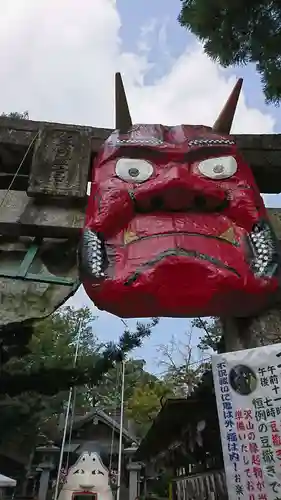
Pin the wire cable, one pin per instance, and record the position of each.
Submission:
(18, 169)
(113, 427)
(67, 415)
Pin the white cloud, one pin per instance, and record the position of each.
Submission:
(146, 30)
(58, 60)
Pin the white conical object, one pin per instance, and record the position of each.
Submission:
(87, 476)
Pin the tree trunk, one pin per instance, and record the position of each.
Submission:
(28, 471)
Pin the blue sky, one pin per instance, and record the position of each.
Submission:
(66, 57)
(134, 15)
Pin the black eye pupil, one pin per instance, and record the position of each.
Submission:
(134, 172)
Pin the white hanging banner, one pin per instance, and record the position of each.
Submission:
(248, 393)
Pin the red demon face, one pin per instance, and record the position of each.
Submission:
(175, 225)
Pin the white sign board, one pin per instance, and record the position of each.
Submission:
(248, 393)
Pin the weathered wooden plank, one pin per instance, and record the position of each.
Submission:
(8, 126)
(21, 215)
(262, 152)
(60, 165)
(22, 131)
(61, 155)
(261, 160)
(258, 141)
(16, 137)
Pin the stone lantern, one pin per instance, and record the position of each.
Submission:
(47, 462)
(134, 469)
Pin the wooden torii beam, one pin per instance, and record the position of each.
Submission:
(47, 198)
(55, 140)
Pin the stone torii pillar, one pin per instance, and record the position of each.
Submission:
(264, 329)
(246, 333)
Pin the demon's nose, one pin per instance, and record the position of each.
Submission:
(174, 198)
(180, 190)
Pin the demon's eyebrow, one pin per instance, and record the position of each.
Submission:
(194, 154)
(203, 152)
(140, 152)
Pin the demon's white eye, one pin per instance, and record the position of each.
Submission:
(133, 170)
(218, 168)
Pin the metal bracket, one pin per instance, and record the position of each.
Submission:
(23, 274)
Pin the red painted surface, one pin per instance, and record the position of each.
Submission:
(177, 244)
(85, 493)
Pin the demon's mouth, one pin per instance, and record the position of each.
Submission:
(263, 257)
(179, 252)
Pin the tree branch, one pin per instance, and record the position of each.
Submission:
(53, 380)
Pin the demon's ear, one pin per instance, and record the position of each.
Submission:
(123, 120)
(224, 121)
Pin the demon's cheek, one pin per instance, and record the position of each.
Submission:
(110, 211)
(243, 209)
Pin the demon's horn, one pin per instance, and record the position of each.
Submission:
(123, 120)
(224, 121)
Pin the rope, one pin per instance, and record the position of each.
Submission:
(113, 427)
(71, 427)
(67, 414)
(121, 433)
(118, 378)
(18, 169)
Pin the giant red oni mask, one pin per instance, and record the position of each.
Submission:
(175, 224)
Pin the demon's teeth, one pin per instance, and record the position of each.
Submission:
(210, 142)
(140, 141)
(263, 247)
(93, 247)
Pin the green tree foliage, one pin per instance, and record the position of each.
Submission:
(212, 340)
(51, 347)
(145, 402)
(108, 395)
(14, 339)
(35, 387)
(240, 32)
(212, 334)
(16, 116)
(53, 374)
(185, 369)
